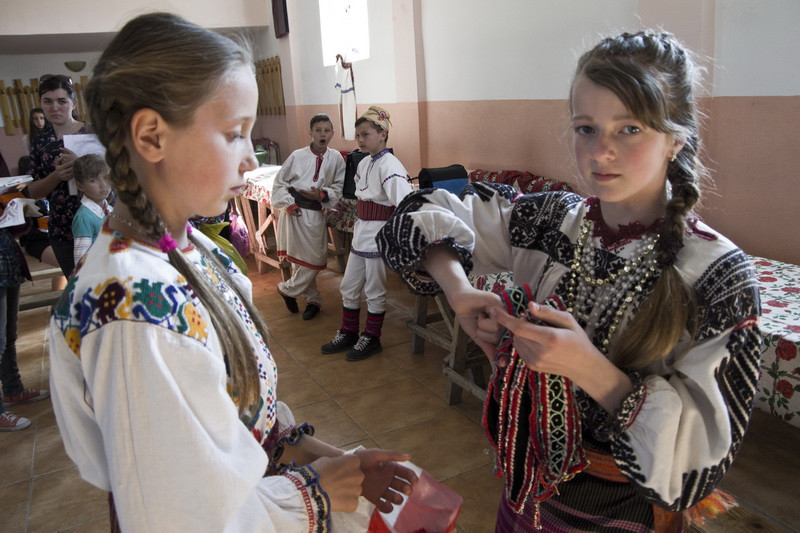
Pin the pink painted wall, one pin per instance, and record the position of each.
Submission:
(753, 150)
(750, 142)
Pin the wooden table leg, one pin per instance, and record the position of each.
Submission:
(338, 248)
(260, 237)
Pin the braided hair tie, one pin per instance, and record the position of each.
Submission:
(167, 243)
(532, 420)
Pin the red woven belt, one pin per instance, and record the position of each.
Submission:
(369, 210)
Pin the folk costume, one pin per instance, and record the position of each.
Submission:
(302, 240)
(142, 398)
(381, 183)
(674, 437)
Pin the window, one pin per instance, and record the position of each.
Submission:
(344, 27)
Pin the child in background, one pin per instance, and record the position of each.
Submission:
(91, 179)
(36, 124)
(310, 179)
(657, 319)
(381, 183)
(13, 272)
(163, 384)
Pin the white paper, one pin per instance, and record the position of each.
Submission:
(16, 210)
(13, 182)
(82, 144)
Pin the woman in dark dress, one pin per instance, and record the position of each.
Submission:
(51, 163)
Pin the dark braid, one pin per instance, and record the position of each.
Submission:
(152, 64)
(685, 194)
(655, 78)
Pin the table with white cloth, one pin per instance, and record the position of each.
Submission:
(262, 225)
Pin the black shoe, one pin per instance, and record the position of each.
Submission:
(366, 346)
(291, 303)
(342, 341)
(311, 311)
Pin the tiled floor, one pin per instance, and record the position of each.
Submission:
(393, 400)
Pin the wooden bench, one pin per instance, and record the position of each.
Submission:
(42, 299)
(463, 355)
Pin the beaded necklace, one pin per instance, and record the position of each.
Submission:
(624, 286)
(131, 224)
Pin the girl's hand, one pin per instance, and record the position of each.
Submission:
(472, 307)
(559, 346)
(385, 481)
(341, 478)
(294, 211)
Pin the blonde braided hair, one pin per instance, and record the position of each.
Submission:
(152, 63)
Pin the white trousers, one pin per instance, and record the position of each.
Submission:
(302, 283)
(368, 275)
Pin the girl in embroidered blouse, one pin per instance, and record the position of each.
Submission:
(51, 164)
(164, 385)
(658, 332)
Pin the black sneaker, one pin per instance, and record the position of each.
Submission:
(342, 341)
(366, 346)
(311, 311)
(291, 303)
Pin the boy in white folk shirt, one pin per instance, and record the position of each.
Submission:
(381, 183)
(310, 179)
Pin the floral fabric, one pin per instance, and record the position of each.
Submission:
(45, 148)
(779, 385)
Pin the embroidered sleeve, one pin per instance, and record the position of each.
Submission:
(605, 426)
(333, 190)
(280, 197)
(278, 440)
(690, 423)
(394, 179)
(318, 505)
(475, 227)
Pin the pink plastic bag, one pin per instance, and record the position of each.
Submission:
(432, 508)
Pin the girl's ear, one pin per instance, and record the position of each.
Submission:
(677, 146)
(148, 130)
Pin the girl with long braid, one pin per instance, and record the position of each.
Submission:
(627, 360)
(164, 387)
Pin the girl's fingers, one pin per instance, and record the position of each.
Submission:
(552, 317)
(509, 322)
